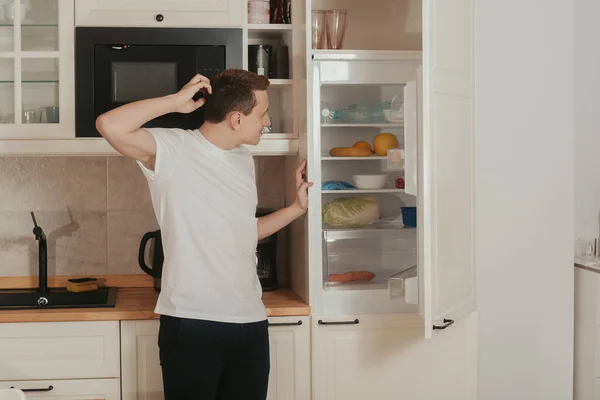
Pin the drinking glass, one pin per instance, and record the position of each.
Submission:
(318, 29)
(336, 28)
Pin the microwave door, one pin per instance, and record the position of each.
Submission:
(125, 74)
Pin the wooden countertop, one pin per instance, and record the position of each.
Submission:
(136, 303)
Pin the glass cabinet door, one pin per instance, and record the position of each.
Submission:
(36, 69)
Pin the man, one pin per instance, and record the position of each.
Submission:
(213, 335)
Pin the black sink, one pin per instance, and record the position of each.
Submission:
(11, 299)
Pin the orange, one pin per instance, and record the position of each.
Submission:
(383, 142)
(363, 145)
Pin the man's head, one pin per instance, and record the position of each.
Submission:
(239, 99)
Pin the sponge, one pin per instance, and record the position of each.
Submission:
(82, 285)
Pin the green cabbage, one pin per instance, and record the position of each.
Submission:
(351, 212)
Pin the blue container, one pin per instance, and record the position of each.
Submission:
(409, 216)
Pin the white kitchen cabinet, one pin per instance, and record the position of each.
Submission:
(141, 373)
(59, 350)
(78, 389)
(36, 70)
(385, 357)
(289, 340)
(587, 335)
(290, 359)
(155, 13)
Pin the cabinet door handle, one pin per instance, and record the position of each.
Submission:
(49, 388)
(321, 322)
(299, 322)
(447, 323)
(159, 17)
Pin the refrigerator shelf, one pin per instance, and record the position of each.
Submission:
(372, 232)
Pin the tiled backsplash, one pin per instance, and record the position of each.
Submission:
(94, 211)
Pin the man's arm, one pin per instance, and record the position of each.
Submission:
(269, 224)
(121, 127)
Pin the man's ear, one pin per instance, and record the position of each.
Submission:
(235, 120)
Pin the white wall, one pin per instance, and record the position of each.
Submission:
(525, 179)
(587, 118)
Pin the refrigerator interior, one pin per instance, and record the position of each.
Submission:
(363, 267)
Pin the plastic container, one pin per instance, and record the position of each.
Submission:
(395, 114)
(369, 181)
(409, 216)
(368, 256)
(258, 12)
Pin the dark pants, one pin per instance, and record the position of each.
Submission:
(206, 360)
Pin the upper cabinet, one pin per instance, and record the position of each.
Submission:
(39, 80)
(147, 13)
(36, 69)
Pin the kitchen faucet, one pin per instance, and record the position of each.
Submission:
(40, 236)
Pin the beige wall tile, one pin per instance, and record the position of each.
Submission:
(76, 242)
(127, 187)
(95, 241)
(125, 231)
(52, 183)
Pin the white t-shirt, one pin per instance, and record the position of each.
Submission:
(205, 202)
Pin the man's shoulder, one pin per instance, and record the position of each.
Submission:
(167, 131)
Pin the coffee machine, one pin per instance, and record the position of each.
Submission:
(266, 258)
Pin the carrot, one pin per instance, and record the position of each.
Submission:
(352, 276)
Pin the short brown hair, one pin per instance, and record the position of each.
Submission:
(233, 90)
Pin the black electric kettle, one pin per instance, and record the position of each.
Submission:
(157, 257)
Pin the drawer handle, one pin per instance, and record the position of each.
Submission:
(49, 388)
(447, 323)
(285, 323)
(160, 17)
(339, 322)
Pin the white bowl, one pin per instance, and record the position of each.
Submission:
(369, 181)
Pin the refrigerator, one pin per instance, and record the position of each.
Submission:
(366, 108)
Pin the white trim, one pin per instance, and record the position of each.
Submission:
(91, 147)
(373, 55)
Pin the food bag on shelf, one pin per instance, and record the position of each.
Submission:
(351, 212)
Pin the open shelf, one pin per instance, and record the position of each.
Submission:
(384, 125)
(270, 136)
(378, 25)
(268, 27)
(382, 55)
(280, 82)
(268, 31)
(358, 191)
(366, 158)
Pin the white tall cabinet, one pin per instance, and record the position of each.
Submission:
(390, 338)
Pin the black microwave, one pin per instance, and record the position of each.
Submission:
(116, 66)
